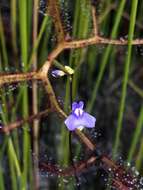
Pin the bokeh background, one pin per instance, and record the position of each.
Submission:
(107, 78)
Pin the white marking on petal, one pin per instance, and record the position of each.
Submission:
(78, 112)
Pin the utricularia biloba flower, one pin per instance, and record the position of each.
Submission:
(78, 119)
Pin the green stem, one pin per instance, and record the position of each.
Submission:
(126, 76)
(106, 56)
(136, 136)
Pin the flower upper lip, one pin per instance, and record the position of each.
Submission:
(77, 108)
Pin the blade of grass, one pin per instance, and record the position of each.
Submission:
(136, 88)
(139, 158)
(13, 17)
(1, 178)
(5, 61)
(3, 45)
(46, 23)
(136, 136)
(84, 22)
(12, 174)
(45, 43)
(106, 56)
(126, 76)
(24, 24)
(23, 32)
(12, 156)
(105, 18)
(35, 98)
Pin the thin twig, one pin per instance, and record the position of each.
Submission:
(22, 77)
(35, 99)
(8, 128)
(95, 26)
(54, 11)
(80, 167)
(13, 78)
(99, 40)
(118, 173)
(117, 184)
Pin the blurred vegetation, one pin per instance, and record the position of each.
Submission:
(107, 78)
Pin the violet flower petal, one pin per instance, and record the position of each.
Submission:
(88, 120)
(76, 105)
(72, 122)
(81, 104)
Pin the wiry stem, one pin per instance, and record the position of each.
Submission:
(35, 98)
(80, 167)
(99, 40)
(54, 11)
(13, 78)
(95, 27)
(22, 77)
(8, 128)
(121, 179)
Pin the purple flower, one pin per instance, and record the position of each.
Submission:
(57, 73)
(79, 119)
